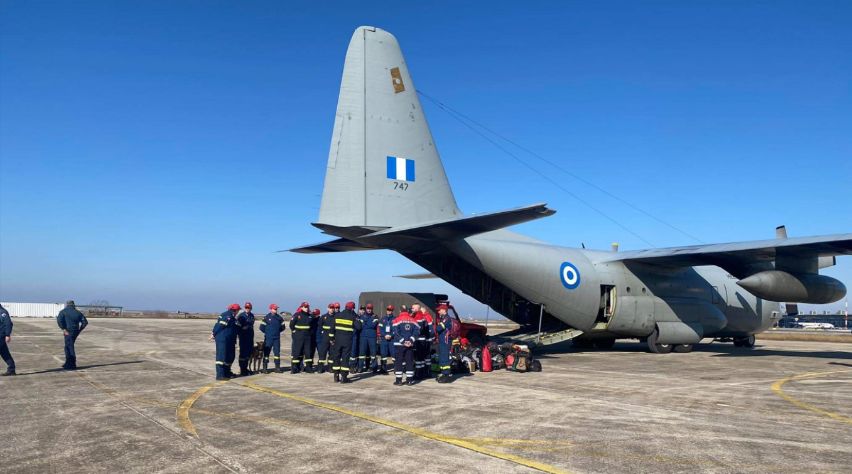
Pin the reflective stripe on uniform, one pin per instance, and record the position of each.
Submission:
(444, 367)
(326, 327)
(219, 362)
(224, 323)
(302, 326)
(344, 322)
(345, 369)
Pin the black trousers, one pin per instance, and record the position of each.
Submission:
(246, 345)
(301, 348)
(404, 355)
(341, 352)
(6, 355)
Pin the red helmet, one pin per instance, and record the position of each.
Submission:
(350, 305)
(331, 305)
(390, 307)
(316, 312)
(273, 307)
(247, 305)
(336, 305)
(305, 304)
(234, 307)
(444, 307)
(369, 305)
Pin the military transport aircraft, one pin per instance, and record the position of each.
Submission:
(385, 188)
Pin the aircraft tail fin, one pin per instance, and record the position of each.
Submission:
(383, 168)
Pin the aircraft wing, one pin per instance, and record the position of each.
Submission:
(744, 258)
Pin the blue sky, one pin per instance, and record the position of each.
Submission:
(156, 154)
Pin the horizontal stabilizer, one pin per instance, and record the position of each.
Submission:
(337, 245)
(417, 276)
(455, 229)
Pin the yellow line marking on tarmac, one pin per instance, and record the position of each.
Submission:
(460, 442)
(182, 411)
(776, 387)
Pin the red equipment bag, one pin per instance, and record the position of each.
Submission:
(454, 329)
(486, 359)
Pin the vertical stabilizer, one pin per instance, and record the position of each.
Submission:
(383, 168)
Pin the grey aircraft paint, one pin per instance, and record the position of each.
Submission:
(385, 188)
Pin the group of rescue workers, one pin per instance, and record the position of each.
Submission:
(343, 340)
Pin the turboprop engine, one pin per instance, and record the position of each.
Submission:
(777, 285)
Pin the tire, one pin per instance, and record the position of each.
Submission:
(749, 341)
(683, 348)
(655, 347)
(604, 344)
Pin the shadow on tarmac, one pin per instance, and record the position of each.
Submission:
(81, 367)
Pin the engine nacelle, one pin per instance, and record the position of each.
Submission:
(777, 285)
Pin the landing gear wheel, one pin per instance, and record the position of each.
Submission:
(683, 348)
(747, 342)
(604, 344)
(655, 347)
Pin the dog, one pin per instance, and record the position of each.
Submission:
(256, 358)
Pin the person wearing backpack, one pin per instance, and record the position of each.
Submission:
(447, 331)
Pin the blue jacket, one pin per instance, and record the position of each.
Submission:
(369, 323)
(69, 319)
(272, 326)
(443, 329)
(245, 322)
(386, 326)
(324, 326)
(5, 323)
(405, 328)
(225, 326)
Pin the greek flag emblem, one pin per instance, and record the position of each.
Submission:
(400, 169)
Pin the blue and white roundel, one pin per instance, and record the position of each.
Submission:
(570, 275)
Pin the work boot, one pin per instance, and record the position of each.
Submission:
(443, 378)
(8, 373)
(309, 369)
(280, 370)
(321, 368)
(384, 369)
(337, 376)
(344, 378)
(294, 369)
(412, 382)
(398, 381)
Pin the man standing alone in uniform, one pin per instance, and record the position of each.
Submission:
(72, 323)
(272, 326)
(5, 339)
(245, 329)
(222, 332)
(342, 327)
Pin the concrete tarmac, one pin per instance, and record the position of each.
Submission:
(145, 401)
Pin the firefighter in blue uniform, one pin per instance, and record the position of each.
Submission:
(231, 347)
(356, 338)
(245, 331)
(405, 332)
(5, 339)
(367, 349)
(300, 327)
(324, 339)
(272, 325)
(344, 324)
(444, 344)
(222, 332)
(72, 323)
(386, 338)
